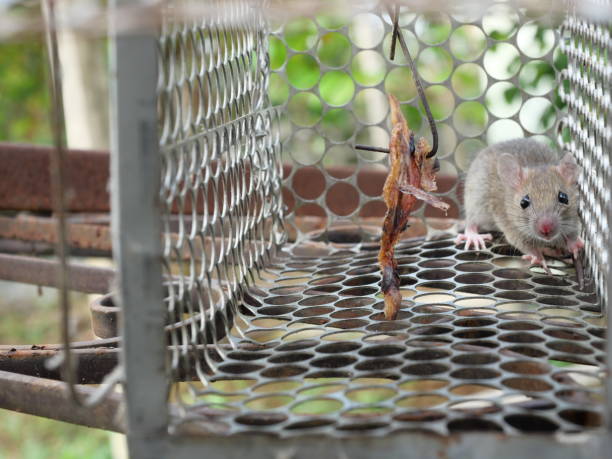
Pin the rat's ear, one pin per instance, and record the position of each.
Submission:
(510, 171)
(568, 169)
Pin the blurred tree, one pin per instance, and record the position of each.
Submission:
(24, 98)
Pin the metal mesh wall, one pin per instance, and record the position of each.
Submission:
(220, 189)
(588, 79)
(489, 76)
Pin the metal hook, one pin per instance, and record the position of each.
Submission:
(399, 36)
(395, 32)
(395, 37)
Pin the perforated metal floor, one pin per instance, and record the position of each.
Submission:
(483, 342)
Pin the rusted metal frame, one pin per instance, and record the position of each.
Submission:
(92, 365)
(50, 399)
(25, 184)
(96, 343)
(25, 247)
(84, 236)
(37, 271)
(43, 229)
(91, 231)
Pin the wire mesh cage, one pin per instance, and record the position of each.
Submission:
(246, 229)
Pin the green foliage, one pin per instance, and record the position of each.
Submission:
(24, 98)
(335, 87)
(29, 437)
(511, 93)
(32, 318)
(278, 53)
(300, 34)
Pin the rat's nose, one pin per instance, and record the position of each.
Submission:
(546, 226)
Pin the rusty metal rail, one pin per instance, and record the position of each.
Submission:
(48, 398)
(42, 229)
(92, 364)
(94, 360)
(25, 182)
(37, 271)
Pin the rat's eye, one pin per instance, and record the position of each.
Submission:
(563, 199)
(526, 201)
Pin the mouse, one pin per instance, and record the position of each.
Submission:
(522, 188)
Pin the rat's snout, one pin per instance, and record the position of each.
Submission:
(547, 227)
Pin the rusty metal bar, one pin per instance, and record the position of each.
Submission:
(25, 247)
(92, 364)
(50, 399)
(37, 271)
(87, 236)
(110, 342)
(25, 185)
(42, 229)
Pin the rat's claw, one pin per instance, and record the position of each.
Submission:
(537, 259)
(472, 238)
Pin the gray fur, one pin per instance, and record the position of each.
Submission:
(493, 205)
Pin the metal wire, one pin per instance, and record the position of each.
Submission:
(481, 344)
(585, 131)
(397, 35)
(57, 172)
(466, 46)
(58, 190)
(220, 173)
(296, 340)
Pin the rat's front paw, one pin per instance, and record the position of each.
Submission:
(473, 239)
(574, 246)
(536, 258)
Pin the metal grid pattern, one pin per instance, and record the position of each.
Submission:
(482, 344)
(488, 76)
(219, 167)
(588, 77)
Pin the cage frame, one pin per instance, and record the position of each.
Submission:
(136, 217)
(136, 229)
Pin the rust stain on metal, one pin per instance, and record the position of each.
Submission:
(25, 182)
(37, 271)
(48, 398)
(42, 229)
(93, 364)
(97, 343)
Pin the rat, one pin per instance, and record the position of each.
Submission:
(521, 188)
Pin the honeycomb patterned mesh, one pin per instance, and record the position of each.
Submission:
(274, 323)
(489, 77)
(220, 193)
(586, 131)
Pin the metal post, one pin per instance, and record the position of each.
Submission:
(608, 311)
(135, 180)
